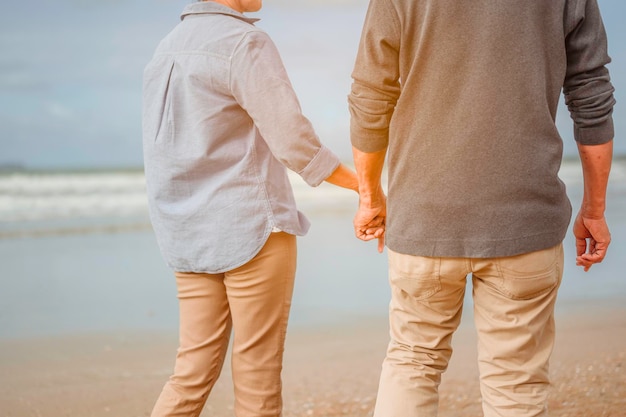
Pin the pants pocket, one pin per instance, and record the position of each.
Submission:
(530, 275)
(417, 276)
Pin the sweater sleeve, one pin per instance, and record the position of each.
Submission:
(376, 86)
(587, 87)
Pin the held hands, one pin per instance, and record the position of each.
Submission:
(592, 240)
(369, 221)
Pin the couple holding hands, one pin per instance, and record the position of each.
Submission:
(459, 100)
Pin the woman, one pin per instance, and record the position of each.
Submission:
(220, 123)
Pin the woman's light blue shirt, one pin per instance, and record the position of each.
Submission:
(220, 124)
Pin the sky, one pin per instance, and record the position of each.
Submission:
(70, 74)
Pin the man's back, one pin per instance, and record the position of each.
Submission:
(463, 97)
(468, 92)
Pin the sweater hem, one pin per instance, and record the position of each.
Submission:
(472, 248)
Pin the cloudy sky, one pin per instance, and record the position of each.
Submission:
(70, 73)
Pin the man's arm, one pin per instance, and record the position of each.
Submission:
(590, 227)
(589, 96)
(369, 221)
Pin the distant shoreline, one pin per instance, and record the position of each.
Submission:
(14, 168)
(19, 169)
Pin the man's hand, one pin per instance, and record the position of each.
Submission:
(369, 221)
(590, 228)
(592, 240)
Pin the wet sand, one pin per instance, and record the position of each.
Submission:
(328, 371)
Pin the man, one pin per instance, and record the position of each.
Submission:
(461, 97)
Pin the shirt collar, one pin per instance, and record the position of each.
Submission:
(211, 7)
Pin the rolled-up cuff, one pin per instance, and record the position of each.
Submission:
(367, 140)
(595, 135)
(324, 163)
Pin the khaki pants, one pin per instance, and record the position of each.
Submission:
(254, 301)
(513, 310)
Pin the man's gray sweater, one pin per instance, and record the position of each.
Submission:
(464, 94)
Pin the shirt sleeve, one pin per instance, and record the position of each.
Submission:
(376, 86)
(587, 87)
(260, 84)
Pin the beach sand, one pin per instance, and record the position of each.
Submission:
(60, 358)
(328, 371)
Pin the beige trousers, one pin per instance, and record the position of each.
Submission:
(514, 301)
(252, 300)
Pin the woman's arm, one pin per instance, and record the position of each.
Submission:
(344, 177)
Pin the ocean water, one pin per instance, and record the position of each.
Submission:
(77, 255)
